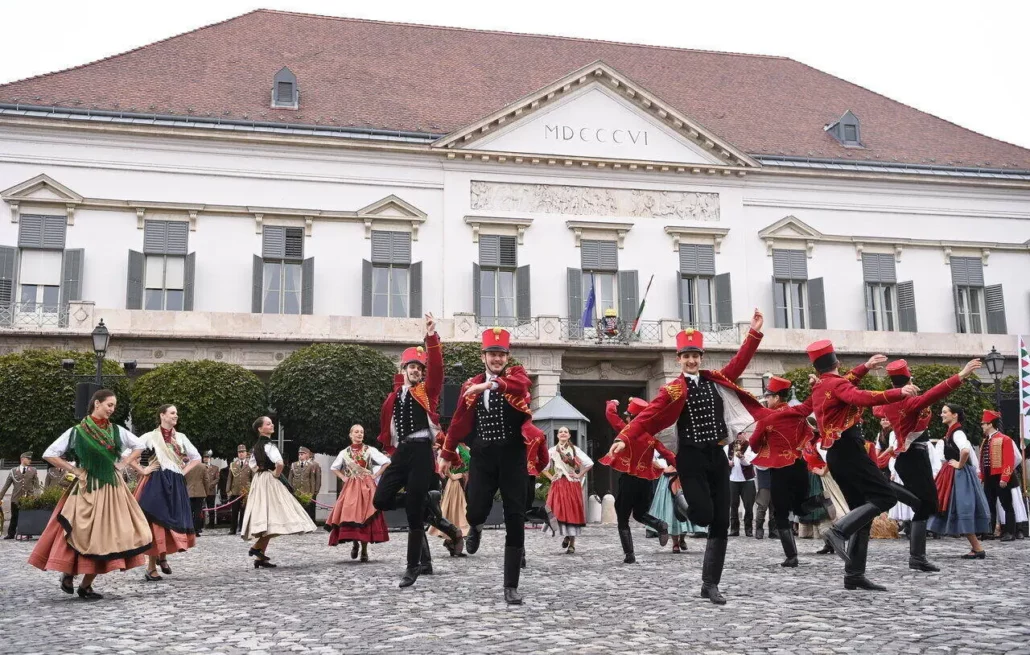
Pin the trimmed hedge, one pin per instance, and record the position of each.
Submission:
(217, 402)
(470, 357)
(37, 397)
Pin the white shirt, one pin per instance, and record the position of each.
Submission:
(490, 377)
(130, 442)
(660, 461)
(737, 472)
(377, 458)
(695, 377)
(273, 455)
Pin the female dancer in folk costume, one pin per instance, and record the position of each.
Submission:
(454, 505)
(353, 517)
(272, 511)
(566, 470)
(967, 512)
(162, 491)
(663, 507)
(97, 527)
(637, 465)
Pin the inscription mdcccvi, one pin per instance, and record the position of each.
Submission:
(617, 136)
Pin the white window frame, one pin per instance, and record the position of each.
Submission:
(882, 302)
(692, 305)
(968, 318)
(790, 323)
(599, 304)
(494, 318)
(284, 265)
(149, 259)
(390, 296)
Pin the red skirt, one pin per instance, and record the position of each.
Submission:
(165, 540)
(354, 518)
(566, 502)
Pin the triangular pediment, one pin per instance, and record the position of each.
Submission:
(392, 207)
(41, 188)
(789, 227)
(598, 113)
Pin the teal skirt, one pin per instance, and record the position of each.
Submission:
(661, 509)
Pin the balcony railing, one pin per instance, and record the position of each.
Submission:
(32, 316)
(611, 331)
(521, 329)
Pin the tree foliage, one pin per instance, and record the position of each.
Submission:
(319, 391)
(464, 360)
(37, 396)
(217, 402)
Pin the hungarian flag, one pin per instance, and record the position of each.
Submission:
(643, 303)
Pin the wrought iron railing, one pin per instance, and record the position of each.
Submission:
(717, 333)
(520, 329)
(611, 331)
(32, 315)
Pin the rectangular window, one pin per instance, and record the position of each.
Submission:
(282, 287)
(390, 291)
(881, 307)
(790, 297)
(498, 262)
(970, 308)
(850, 133)
(164, 283)
(697, 293)
(40, 280)
(605, 296)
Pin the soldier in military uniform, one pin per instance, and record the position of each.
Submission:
(306, 477)
(54, 476)
(236, 485)
(210, 485)
(26, 484)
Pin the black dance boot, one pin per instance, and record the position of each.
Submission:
(854, 570)
(435, 518)
(735, 527)
(790, 549)
(711, 572)
(472, 541)
(679, 506)
(747, 529)
(512, 570)
(659, 526)
(827, 549)
(848, 525)
(626, 538)
(414, 558)
(917, 548)
(425, 562)
(1009, 529)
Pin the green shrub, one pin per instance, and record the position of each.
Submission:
(46, 500)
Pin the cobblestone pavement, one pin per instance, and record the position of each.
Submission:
(319, 600)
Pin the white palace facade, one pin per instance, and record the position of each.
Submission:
(211, 196)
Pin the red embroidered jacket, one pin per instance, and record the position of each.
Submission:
(911, 416)
(425, 393)
(781, 434)
(838, 403)
(637, 458)
(537, 457)
(512, 385)
(998, 456)
(664, 410)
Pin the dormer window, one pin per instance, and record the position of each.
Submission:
(846, 130)
(285, 94)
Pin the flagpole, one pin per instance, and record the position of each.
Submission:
(640, 310)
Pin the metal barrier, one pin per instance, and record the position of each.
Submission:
(32, 315)
(611, 331)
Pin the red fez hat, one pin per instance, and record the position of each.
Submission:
(690, 340)
(636, 405)
(416, 355)
(990, 415)
(777, 385)
(899, 367)
(497, 339)
(819, 349)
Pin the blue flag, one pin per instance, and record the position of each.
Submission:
(588, 313)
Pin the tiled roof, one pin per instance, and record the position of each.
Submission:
(380, 75)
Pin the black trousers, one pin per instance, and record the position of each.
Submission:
(789, 491)
(913, 467)
(310, 508)
(236, 512)
(197, 508)
(705, 476)
(499, 466)
(742, 491)
(994, 492)
(210, 503)
(857, 476)
(13, 526)
(632, 497)
(412, 469)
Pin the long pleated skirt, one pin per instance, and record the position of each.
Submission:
(968, 511)
(353, 517)
(566, 502)
(453, 506)
(163, 498)
(93, 532)
(272, 510)
(661, 509)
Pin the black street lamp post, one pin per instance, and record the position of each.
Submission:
(995, 363)
(101, 339)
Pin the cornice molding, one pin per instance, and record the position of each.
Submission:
(477, 221)
(715, 235)
(619, 229)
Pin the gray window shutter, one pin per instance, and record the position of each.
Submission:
(293, 244)
(706, 260)
(366, 287)
(816, 304)
(402, 251)
(907, 307)
(257, 294)
(71, 275)
(307, 286)
(870, 310)
(723, 301)
(629, 291)
(967, 271)
(8, 264)
(778, 301)
(188, 280)
(177, 241)
(680, 284)
(995, 301)
(415, 297)
(155, 237)
(477, 284)
(134, 281)
(609, 255)
(590, 254)
(273, 242)
(55, 231)
(955, 296)
(509, 252)
(574, 278)
(382, 248)
(30, 232)
(790, 264)
(879, 267)
(688, 259)
(489, 250)
(523, 308)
